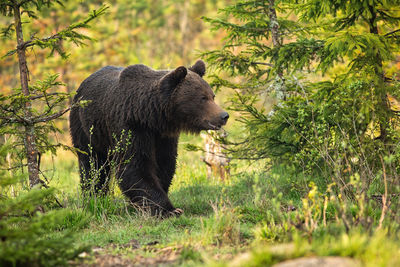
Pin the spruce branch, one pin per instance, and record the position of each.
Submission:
(47, 95)
(50, 117)
(389, 34)
(7, 31)
(69, 34)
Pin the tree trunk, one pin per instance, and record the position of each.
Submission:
(30, 138)
(383, 104)
(274, 25)
(276, 42)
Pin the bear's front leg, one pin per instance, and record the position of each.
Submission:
(139, 180)
(144, 190)
(166, 154)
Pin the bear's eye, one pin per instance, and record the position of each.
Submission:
(204, 98)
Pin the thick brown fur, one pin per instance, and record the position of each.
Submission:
(155, 106)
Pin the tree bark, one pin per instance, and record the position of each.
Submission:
(30, 138)
(276, 42)
(274, 25)
(383, 106)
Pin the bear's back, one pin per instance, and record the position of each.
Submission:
(99, 82)
(140, 74)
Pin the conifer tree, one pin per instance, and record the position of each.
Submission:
(28, 112)
(255, 37)
(332, 61)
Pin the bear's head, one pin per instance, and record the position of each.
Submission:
(192, 100)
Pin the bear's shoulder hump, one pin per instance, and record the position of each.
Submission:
(136, 70)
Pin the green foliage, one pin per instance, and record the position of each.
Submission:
(338, 126)
(25, 223)
(28, 112)
(27, 117)
(55, 41)
(7, 6)
(188, 254)
(374, 250)
(223, 227)
(12, 117)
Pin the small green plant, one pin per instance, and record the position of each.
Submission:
(275, 232)
(117, 157)
(223, 227)
(103, 203)
(25, 223)
(189, 254)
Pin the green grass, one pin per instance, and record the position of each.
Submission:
(222, 221)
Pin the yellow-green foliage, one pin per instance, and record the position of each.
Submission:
(25, 224)
(223, 227)
(366, 250)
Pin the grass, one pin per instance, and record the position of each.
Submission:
(255, 218)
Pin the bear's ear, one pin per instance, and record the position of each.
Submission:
(199, 67)
(173, 78)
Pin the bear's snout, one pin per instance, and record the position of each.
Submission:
(224, 117)
(218, 121)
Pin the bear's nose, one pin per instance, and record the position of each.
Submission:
(224, 116)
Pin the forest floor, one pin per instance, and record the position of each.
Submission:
(133, 256)
(254, 218)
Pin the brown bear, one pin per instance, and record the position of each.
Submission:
(154, 107)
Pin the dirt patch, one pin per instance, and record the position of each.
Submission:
(131, 255)
(320, 262)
